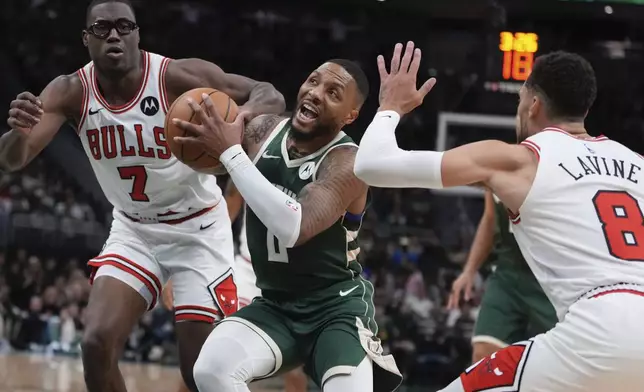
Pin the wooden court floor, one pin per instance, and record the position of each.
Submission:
(37, 373)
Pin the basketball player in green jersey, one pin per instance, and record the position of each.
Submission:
(304, 210)
(514, 307)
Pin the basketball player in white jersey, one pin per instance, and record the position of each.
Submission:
(169, 221)
(294, 380)
(576, 202)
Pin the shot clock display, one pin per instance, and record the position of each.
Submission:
(518, 51)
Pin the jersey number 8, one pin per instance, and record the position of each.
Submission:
(623, 224)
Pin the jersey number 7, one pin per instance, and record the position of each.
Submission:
(623, 224)
(139, 178)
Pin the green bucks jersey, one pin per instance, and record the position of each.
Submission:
(327, 258)
(506, 250)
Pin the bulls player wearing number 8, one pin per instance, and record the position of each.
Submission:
(576, 204)
(168, 219)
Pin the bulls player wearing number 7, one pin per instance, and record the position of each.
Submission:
(576, 204)
(169, 221)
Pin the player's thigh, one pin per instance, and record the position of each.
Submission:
(126, 281)
(530, 366)
(580, 354)
(348, 336)
(127, 258)
(267, 321)
(360, 379)
(337, 351)
(342, 346)
(501, 319)
(200, 264)
(234, 354)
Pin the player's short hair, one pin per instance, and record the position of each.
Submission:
(357, 74)
(94, 3)
(567, 83)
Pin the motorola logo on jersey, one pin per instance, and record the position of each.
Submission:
(149, 106)
(306, 170)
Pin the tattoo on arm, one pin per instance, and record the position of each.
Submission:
(325, 200)
(257, 130)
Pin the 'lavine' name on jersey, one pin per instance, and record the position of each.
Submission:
(592, 164)
(128, 151)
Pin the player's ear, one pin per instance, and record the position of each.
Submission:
(85, 38)
(351, 117)
(536, 106)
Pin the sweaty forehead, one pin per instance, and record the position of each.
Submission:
(336, 73)
(110, 11)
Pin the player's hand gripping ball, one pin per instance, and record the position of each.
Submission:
(193, 154)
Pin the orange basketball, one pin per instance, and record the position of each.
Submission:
(196, 157)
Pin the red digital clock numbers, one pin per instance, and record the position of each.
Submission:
(518, 54)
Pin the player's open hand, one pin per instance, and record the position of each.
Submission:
(214, 134)
(464, 283)
(398, 90)
(25, 112)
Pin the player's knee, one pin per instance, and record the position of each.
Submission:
(211, 373)
(214, 372)
(482, 350)
(97, 341)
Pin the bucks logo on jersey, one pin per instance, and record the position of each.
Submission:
(329, 257)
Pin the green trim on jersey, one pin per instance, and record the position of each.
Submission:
(329, 257)
(506, 252)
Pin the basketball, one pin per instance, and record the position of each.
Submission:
(193, 156)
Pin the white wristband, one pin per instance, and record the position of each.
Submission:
(233, 157)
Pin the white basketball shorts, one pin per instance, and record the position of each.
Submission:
(598, 347)
(194, 249)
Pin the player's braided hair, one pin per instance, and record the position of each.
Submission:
(567, 83)
(94, 3)
(358, 75)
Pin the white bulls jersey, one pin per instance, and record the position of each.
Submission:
(127, 148)
(581, 227)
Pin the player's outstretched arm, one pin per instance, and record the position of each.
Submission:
(380, 162)
(255, 97)
(34, 121)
